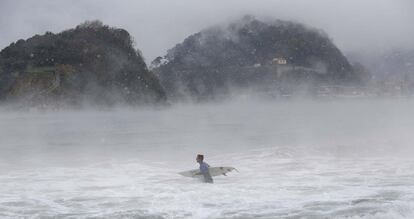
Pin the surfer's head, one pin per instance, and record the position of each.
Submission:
(200, 158)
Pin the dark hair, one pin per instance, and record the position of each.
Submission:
(200, 156)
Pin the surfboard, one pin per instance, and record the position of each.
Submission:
(214, 171)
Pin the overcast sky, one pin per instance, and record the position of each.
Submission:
(157, 25)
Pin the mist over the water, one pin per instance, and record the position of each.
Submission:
(297, 158)
(356, 127)
(331, 155)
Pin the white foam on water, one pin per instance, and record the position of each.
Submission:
(266, 186)
(295, 160)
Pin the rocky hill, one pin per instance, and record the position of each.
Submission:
(92, 64)
(280, 57)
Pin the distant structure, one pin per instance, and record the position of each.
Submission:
(279, 61)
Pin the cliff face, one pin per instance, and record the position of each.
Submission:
(91, 63)
(278, 56)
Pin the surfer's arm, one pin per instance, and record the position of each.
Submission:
(201, 172)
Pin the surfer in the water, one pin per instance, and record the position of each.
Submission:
(204, 169)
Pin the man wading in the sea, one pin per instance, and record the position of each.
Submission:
(204, 169)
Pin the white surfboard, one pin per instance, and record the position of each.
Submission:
(214, 171)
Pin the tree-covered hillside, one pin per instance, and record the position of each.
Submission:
(280, 56)
(91, 63)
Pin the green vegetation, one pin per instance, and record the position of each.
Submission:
(91, 62)
(243, 54)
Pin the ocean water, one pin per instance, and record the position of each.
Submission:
(348, 158)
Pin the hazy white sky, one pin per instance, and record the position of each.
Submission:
(157, 25)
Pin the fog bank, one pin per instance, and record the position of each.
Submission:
(337, 128)
(372, 25)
